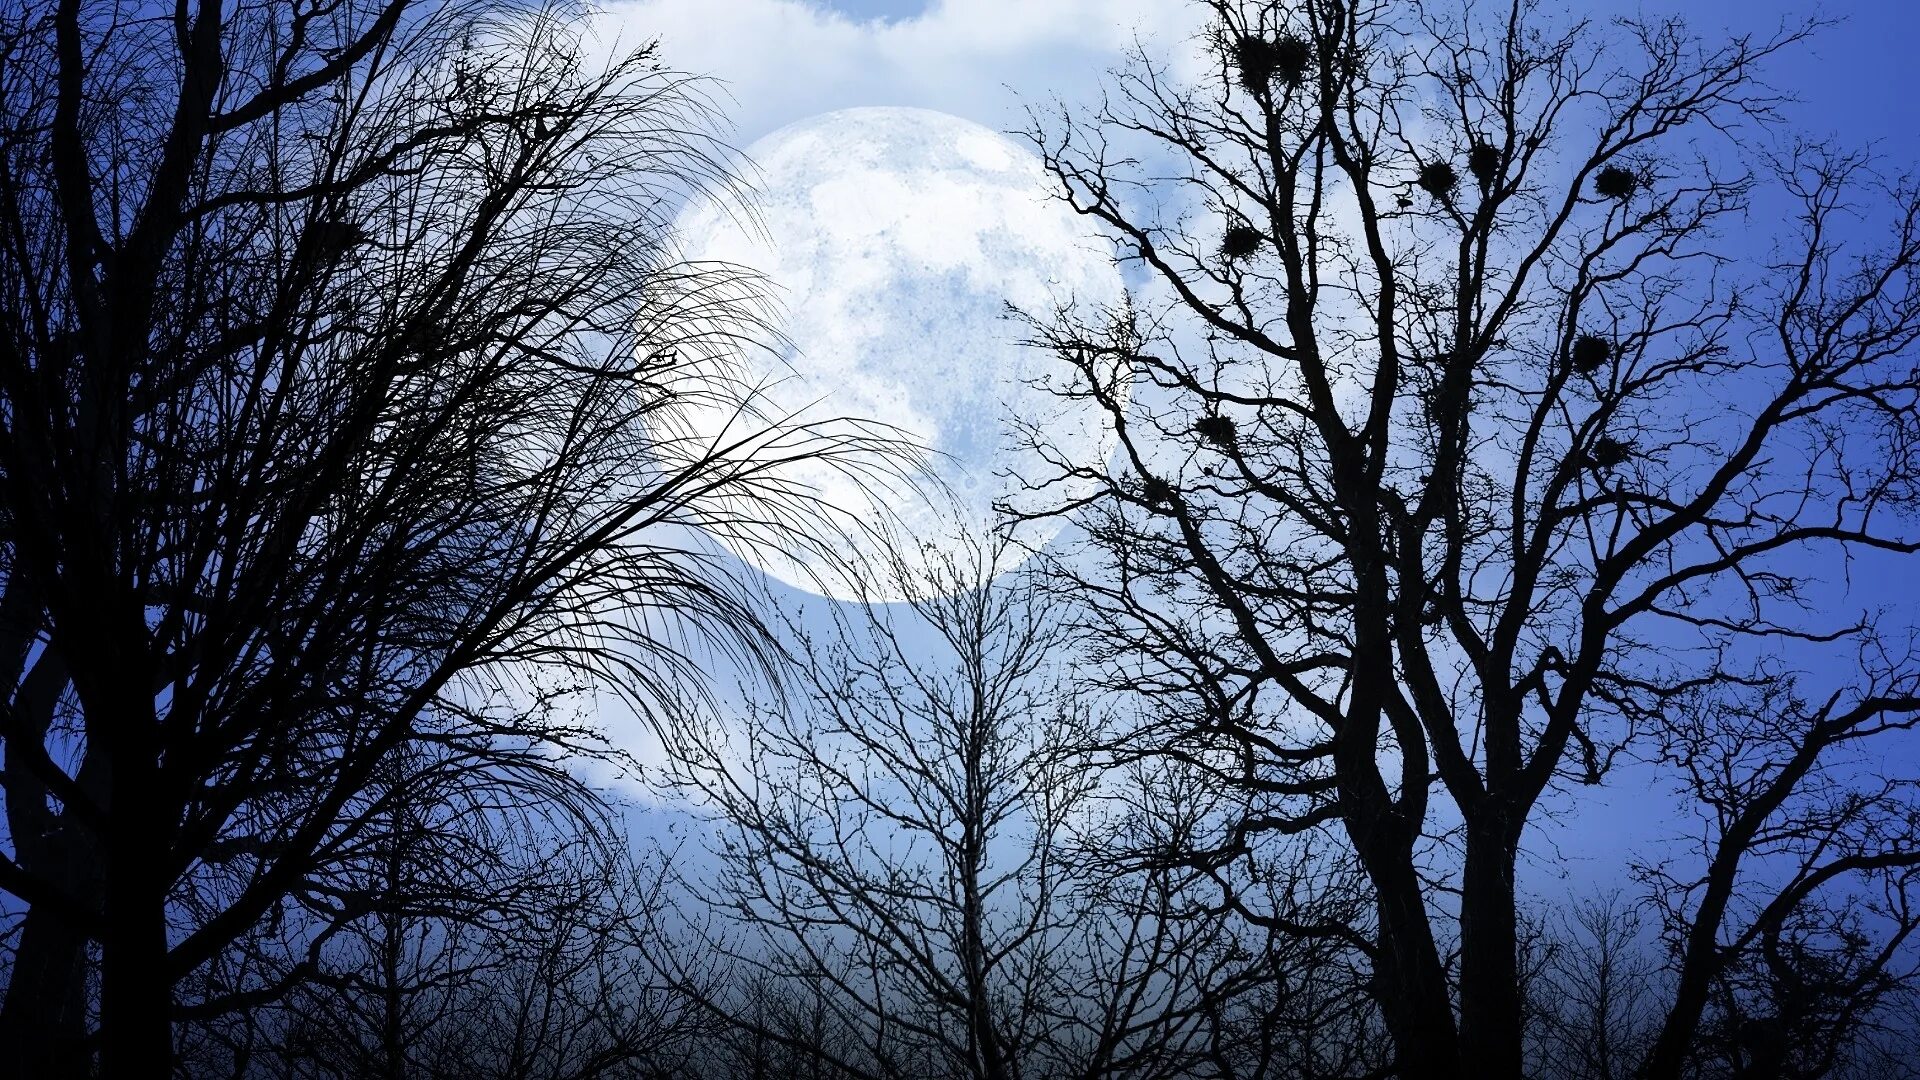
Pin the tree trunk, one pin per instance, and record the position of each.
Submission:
(43, 1024)
(1410, 981)
(136, 987)
(989, 1061)
(1413, 997)
(43, 1021)
(1491, 1021)
(136, 993)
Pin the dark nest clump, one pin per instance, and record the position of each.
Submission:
(1590, 353)
(1483, 161)
(1438, 179)
(1291, 55)
(1241, 242)
(1218, 430)
(1156, 492)
(1609, 453)
(1614, 182)
(1261, 61)
(1253, 55)
(333, 239)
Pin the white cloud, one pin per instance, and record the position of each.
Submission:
(782, 60)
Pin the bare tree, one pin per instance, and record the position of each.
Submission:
(340, 410)
(1205, 966)
(1793, 926)
(915, 847)
(538, 973)
(476, 932)
(1419, 525)
(895, 839)
(1596, 999)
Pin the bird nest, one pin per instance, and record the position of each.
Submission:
(332, 238)
(1483, 161)
(1590, 353)
(1438, 179)
(1218, 430)
(1262, 60)
(1608, 452)
(1156, 492)
(1241, 241)
(1615, 182)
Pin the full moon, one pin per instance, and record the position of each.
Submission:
(895, 238)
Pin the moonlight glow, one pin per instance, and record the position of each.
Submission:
(896, 237)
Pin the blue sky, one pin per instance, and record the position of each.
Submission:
(877, 9)
(1853, 78)
(783, 60)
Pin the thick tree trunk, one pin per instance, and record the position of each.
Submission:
(1410, 980)
(43, 1024)
(136, 986)
(136, 993)
(1413, 993)
(1491, 1006)
(43, 1021)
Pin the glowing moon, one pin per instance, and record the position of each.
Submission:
(896, 237)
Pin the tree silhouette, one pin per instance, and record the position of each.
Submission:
(893, 844)
(916, 860)
(528, 966)
(1410, 559)
(340, 412)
